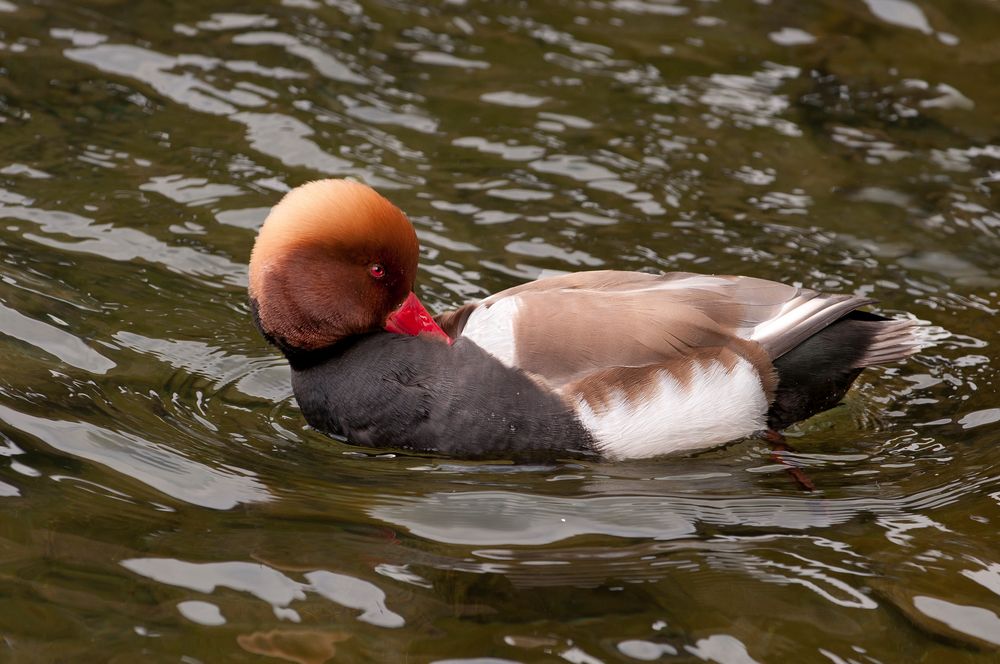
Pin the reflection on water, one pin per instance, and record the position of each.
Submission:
(164, 498)
(268, 585)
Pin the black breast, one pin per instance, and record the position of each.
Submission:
(397, 391)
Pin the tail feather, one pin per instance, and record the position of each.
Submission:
(891, 340)
(815, 375)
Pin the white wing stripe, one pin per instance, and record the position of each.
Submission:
(492, 328)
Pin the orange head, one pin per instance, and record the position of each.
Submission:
(333, 259)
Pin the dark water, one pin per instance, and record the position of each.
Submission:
(162, 499)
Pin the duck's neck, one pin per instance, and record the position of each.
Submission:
(298, 358)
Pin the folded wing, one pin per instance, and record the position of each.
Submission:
(561, 328)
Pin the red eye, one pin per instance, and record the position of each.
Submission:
(376, 270)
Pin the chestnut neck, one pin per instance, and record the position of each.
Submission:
(300, 359)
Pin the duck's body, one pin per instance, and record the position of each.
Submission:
(613, 364)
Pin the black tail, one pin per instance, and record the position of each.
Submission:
(815, 375)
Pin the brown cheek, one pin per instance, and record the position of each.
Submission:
(375, 304)
(362, 302)
(333, 300)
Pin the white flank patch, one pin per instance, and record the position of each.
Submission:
(714, 407)
(492, 328)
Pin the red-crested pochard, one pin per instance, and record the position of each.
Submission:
(620, 365)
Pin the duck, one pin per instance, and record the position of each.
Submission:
(610, 365)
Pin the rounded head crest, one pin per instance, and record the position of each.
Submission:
(332, 260)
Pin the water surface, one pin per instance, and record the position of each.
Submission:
(163, 499)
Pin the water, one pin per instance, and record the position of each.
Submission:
(163, 500)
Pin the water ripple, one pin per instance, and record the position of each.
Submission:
(156, 465)
(145, 427)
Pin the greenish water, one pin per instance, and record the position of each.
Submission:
(162, 500)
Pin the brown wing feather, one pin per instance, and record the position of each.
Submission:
(633, 384)
(453, 322)
(571, 325)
